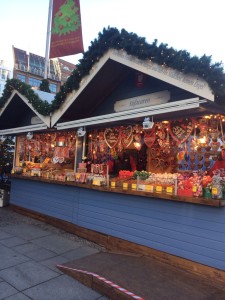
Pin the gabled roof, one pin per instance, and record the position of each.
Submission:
(110, 59)
(18, 115)
(113, 66)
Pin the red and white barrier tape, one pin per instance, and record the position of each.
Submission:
(106, 281)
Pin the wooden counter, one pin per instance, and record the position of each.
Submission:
(193, 200)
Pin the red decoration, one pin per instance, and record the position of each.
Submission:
(139, 79)
(66, 31)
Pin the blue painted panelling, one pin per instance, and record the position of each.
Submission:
(195, 232)
(190, 231)
(150, 219)
(50, 199)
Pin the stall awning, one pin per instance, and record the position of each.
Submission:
(171, 107)
(14, 131)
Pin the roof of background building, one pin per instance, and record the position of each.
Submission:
(45, 96)
(59, 67)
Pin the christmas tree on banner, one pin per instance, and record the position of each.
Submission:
(67, 19)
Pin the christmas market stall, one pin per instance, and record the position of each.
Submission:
(17, 115)
(39, 149)
(133, 156)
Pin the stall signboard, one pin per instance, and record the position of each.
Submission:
(142, 101)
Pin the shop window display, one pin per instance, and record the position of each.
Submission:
(182, 157)
(45, 154)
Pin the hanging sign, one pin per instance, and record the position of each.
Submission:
(181, 129)
(142, 101)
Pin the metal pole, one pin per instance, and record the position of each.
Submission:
(14, 153)
(48, 38)
(84, 144)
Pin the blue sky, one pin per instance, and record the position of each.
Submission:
(195, 25)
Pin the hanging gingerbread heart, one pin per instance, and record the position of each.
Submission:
(126, 136)
(215, 146)
(149, 138)
(155, 162)
(112, 136)
(181, 129)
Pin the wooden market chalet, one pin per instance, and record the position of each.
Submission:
(118, 155)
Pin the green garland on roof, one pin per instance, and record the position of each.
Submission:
(44, 86)
(138, 47)
(134, 45)
(42, 107)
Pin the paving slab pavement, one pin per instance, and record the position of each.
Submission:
(29, 253)
(36, 259)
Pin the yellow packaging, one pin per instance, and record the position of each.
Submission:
(194, 189)
(134, 186)
(113, 184)
(158, 188)
(125, 185)
(149, 188)
(214, 191)
(169, 189)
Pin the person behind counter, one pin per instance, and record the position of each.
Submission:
(122, 163)
(220, 163)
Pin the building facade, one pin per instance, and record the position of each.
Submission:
(29, 68)
(5, 73)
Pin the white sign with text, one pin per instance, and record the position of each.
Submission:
(142, 101)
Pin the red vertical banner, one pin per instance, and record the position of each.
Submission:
(66, 31)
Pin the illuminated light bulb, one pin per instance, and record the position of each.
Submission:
(137, 145)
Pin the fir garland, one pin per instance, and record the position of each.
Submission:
(44, 86)
(42, 107)
(213, 73)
